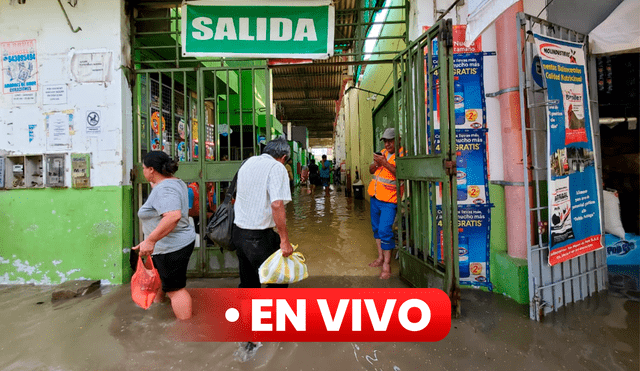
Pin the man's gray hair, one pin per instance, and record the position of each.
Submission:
(277, 148)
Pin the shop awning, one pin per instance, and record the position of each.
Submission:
(620, 32)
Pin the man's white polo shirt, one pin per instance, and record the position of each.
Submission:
(261, 181)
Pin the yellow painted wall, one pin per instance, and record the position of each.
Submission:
(359, 106)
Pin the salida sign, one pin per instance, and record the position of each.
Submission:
(297, 29)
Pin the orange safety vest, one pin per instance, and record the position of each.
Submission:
(383, 184)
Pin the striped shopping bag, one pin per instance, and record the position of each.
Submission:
(278, 269)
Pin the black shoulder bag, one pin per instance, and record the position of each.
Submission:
(220, 226)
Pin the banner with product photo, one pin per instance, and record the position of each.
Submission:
(469, 99)
(474, 207)
(471, 166)
(574, 197)
(474, 230)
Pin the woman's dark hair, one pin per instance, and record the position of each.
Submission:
(160, 162)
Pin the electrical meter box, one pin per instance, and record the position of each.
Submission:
(14, 173)
(80, 170)
(33, 171)
(55, 170)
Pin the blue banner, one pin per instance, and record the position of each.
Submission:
(574, 190)
(468, 88)
(474, 208)
(474, 228)
(471, 166)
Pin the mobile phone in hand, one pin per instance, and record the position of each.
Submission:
(378, 153)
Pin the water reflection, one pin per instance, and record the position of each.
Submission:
(332, 231)
(108, 332)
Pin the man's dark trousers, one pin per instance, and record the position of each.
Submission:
(253, 247)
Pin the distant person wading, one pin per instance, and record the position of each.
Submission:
(314, 175)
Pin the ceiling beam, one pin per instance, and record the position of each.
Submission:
(321, 136)
(330, 108)
(314, 119)
(351, 63)
(297, 75)
(319, 130)
(310, 89)
(324, 104)
(323, 99)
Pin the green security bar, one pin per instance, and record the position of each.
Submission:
(424, 168)
(259, 29)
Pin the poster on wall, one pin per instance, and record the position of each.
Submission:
(19, 66)
(469, 99)
(474, 229)
(91, 66)
(574, 197)
(59, 128)
(471, 166)
(468, 89)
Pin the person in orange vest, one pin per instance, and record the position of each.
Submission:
(384, 200)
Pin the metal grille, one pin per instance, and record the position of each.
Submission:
(550, 287)
(423, 168)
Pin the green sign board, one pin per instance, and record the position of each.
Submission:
(261, 29)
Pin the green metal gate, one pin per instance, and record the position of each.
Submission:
(209, 127)
(210, 114)
(428, 166)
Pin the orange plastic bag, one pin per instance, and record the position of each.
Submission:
(145, 283)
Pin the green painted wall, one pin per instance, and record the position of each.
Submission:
(509, 276)
(48, 236)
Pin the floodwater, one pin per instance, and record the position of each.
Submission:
(106, 331)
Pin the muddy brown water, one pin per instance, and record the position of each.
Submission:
(106, 331)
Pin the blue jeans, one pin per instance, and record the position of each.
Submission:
(382, 216)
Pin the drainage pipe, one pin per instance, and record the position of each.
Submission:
(508, 78)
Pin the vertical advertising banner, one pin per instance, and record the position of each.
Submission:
(574, 197)
(468, 89)
(474, 207)
(474, 229)
(470, 107)
(19, 67)
(471, 166)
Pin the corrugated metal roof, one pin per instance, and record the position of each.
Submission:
(306, 95)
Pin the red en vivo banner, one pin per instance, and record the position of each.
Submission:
(318, 315)
(574, 189)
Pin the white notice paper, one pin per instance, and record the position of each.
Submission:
(59, 126)
(91, 67)
(24, 98)
(55, 94)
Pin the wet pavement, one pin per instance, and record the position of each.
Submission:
(106, 331)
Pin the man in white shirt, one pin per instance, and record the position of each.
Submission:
(262, 192)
